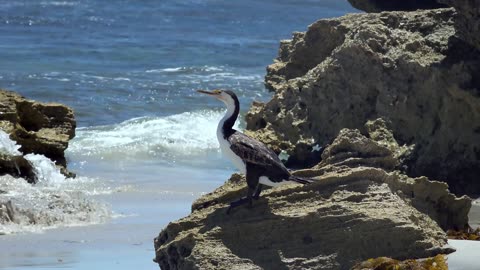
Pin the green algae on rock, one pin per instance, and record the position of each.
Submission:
(438, 262)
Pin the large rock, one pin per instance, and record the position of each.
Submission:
(392, 5)
(467, 20)
(402, 66)
(40, 128)
(351, 212)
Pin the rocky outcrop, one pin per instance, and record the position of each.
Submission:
(392, 5)
(355, 210)
(467, 20)
(405, 67)
(40, 128)
(354, 149)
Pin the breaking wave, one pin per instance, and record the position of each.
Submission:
(186, 70)
(31, 208)
(181, 134)
(53, 201)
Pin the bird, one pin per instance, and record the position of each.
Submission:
(260, 165)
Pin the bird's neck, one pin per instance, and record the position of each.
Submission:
(225, 127)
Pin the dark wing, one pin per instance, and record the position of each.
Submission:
(253, 151)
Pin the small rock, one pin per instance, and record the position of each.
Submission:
(40, 128)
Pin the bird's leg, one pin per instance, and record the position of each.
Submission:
(252, 183)
(256, 196)
(244, 200)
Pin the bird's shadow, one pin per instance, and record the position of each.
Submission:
(238, 231)
(267, 239)
(282, 236)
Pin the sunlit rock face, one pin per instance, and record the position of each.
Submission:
(405, 67)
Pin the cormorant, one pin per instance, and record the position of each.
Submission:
(260, 164)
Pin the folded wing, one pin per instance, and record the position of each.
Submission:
(254, 152)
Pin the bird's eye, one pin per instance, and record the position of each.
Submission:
(217, 91)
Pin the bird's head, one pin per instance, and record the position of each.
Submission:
(227, 96)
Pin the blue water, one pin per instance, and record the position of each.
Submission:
(106, 59)
(129, 70)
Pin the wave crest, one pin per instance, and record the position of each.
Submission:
(181, 134)
(31, 208)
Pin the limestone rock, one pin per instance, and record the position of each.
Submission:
(467, 21)
(392, 5)
(353, 149)
(379, 132)
(350, 150)
(332, 224)
(352, 212)
(379, 149)
(404, 67)
(39, 128)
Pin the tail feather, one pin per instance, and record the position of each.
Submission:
(301, 180)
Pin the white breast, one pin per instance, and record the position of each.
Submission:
(224, 144)
(226, 151)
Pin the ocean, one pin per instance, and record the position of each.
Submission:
(145, 146)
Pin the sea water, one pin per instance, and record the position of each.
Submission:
(145, 146)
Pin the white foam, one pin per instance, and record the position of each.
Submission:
(167, 69)
(210, 69)
(7, 146)
(36, 208)
(184, 133)
(53, 202)
(200, 69)
(121, 79)
(58, 3)
(45, 170)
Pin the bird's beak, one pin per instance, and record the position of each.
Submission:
(210, 93)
